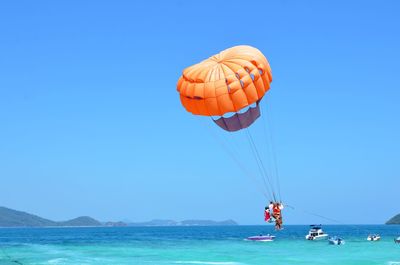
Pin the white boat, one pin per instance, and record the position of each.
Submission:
(316, 233)
(334, 240)
(374, 237)
(266, 238)
(397, 240)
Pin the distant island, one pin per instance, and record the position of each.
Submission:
(14, 218)
(395, 220)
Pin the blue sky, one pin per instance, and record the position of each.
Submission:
(91, 123)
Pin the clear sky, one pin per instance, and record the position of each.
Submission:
(91, 123)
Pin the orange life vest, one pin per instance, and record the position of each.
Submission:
(276, 209)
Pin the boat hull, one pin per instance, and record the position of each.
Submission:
(319, 237)
(261, 238)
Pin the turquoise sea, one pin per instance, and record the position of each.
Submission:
(195, 245)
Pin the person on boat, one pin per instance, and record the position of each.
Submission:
(267, 215)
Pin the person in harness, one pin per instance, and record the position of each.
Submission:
(277, 214)
(267, 215)
(273, 212)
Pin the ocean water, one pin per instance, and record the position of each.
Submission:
(194, 245)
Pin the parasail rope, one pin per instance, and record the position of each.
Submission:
(268, 130)
(328, 219)
(266, 193)
(259, 166)
(258, 158)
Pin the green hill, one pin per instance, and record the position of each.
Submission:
(81, 221)
(395, 220)
(13, 218)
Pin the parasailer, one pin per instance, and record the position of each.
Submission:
(267, 215)
(229, 87)
(277, 214)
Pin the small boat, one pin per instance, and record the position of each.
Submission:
(266, 238)
(335, 240)
(397, 240)
(374, 237)
(316, 233)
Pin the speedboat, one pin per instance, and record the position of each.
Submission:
(316, 233)
(335, 240)
(262, 238)
(374, 237)
(397, 240)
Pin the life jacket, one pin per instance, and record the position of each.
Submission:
(276, 210)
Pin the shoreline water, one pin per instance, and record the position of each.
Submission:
(195, 245)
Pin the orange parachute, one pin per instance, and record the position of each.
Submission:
(230, 83)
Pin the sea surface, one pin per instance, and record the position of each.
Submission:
(195, 245)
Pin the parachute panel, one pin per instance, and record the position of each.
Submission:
(239, 120)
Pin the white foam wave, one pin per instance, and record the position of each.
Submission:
(209, 262)
(56, 261)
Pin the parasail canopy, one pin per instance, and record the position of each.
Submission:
(228, 85)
